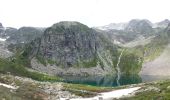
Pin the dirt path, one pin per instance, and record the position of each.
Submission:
(159, 66)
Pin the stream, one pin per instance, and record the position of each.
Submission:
(118, 69)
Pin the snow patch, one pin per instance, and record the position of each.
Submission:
(8, 86)
(1, 39)
(110, 95)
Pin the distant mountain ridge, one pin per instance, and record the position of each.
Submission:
(21, 35)
(122, 26)
(133, 30)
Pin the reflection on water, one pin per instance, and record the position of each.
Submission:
(103, 80)
(111, 80)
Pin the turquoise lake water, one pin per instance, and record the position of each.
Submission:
(102, 80)
(110, 81)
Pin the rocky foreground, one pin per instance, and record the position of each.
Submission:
(28, 89)
(19, 88)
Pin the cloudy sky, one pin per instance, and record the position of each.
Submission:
(44, 13)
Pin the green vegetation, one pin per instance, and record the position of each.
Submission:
(85, 90)
(87, 87)
(130, 63)
(89, 64)
(51, 62)
(132, 58)
(16, 67)
(31, 92)
(26, 91)
(157, 91)
(41, 60)
(7, 95)
(154, 48)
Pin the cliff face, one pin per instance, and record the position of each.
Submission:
(68, 44)
(71, 47)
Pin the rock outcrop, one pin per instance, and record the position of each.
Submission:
(162, 24)
(72, 48)
(23, 34)
(139, 26)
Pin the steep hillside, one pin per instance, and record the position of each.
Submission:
(13, 40)
(160, 64)
(162, 24)
(139, 27)
(71, 48)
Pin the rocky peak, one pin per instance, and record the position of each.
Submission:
(23, 34)
(68, 44)
(162, 24)
(139, 26)
(67, 24)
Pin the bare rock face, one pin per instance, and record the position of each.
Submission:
(139, 26)
(74, 48)
(163, 24)
(68, 43)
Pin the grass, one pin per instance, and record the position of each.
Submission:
(41, 60)
(87, 87)
(91, 63)
(26, 90)
(130, 63)
(163, 92)
(154, 48)
(85, 90)
(6, 94)
(132, 58)
(31, 92)
(15, 67)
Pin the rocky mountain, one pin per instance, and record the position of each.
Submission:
(4, 52)
(162, 24)
(133, 30)
(139, 26)
(132, 23)
(72, 48)
(23, 34)
(13, 39)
